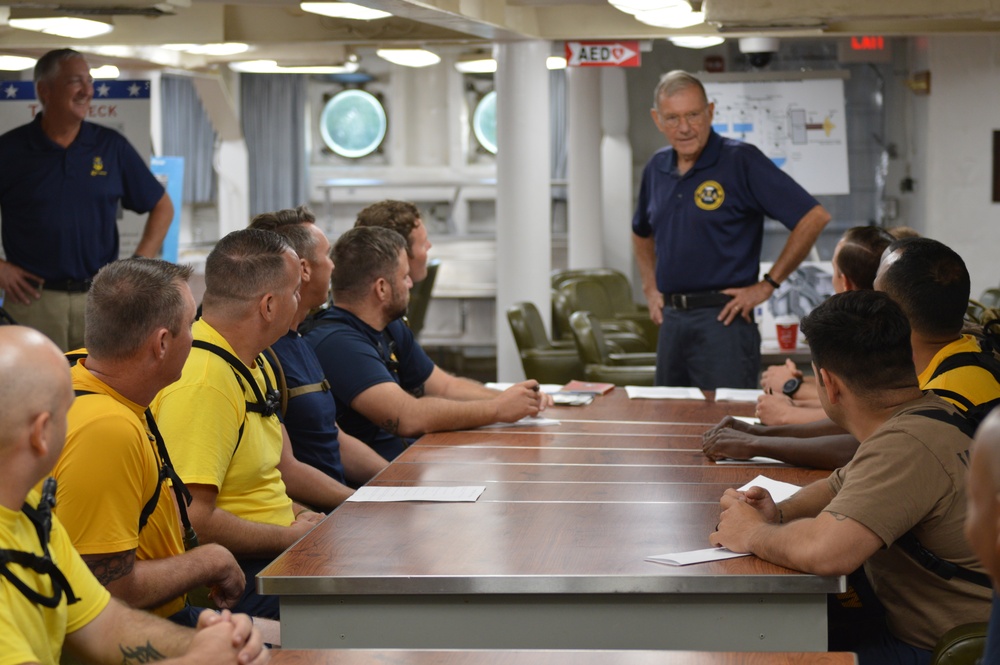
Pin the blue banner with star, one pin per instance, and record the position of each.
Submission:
(103, 89)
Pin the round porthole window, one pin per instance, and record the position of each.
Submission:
(353, 123)
(484, 122)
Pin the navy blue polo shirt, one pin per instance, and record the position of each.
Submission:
(355, 357)
(311, 418)
(59, 207)
(708, 224)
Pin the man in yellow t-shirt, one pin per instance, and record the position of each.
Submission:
(111, 471)
(219, 419)
(43, 606)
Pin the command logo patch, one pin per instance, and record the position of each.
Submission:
(98, 167)
(709, 195)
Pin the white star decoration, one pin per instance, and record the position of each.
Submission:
(103, 90)
(133, 90)
(10, 91)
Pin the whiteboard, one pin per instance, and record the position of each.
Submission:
(800, 125)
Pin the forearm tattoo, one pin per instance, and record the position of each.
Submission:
(837, 516)
(140, 654)
(419, 391)
(391, 425)
(110, 568)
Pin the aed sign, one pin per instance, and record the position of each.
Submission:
(602, 54)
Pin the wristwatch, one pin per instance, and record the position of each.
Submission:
(791, 385)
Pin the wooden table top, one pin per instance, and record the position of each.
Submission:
(567, 509)
(531, 548)
(550, 657)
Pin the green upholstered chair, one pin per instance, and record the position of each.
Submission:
(962, 645)
(615, 305)
(990, 298)
(541, 360)
(584, 294)
(602, 361)
(420, 298)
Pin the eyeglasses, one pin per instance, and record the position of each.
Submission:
(694, 118)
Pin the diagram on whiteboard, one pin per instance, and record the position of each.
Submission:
(799, 125)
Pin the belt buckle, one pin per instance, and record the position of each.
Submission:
(679, 301)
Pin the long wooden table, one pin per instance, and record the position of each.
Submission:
(552, 554)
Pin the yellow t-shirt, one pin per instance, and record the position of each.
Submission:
(33, 633)
(971, 382)
(200, 416)
(107, 472)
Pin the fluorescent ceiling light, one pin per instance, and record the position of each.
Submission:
(408, 57)
(635, 6)
(227, 48)
(343, 10)
(695, 41)
(481, 66)
(489, 65)
(16, 63)
(677, 16)
(105, 72)
(272, 67)
(63, 26)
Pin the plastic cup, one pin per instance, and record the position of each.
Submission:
(788, 332)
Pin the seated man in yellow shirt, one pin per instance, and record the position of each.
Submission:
(115, 497)
(48, 597)
(219, 419)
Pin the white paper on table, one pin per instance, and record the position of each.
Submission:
(663, 392)
(695, 556)
(752, 460)
(749, 420)
(382, 493)
(737, 394)
(544, 387)
(779, 490)
(527, 421)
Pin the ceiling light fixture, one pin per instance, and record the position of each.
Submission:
(343, 10)
(105, 72)
(408, 57)
(695, 41)
(272, 67)
(480, 66)
(227, 48)
(16, 63)
(555, 62)
(63, 26)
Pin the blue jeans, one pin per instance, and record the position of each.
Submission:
(695, 349)
(251, 602)
(859, 626)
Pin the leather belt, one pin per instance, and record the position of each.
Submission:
(67, 285)
(684, 301)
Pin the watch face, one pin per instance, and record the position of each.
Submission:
(791, 385)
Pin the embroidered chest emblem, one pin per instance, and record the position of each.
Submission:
(97, 168)
(709, 195)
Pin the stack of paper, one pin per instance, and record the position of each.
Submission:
(663, 392)
(737, 394)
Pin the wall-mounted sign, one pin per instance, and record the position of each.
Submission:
(865, 48)
(602, 54)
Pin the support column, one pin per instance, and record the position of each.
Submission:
(583, 146)
(616, 175)
(524, 208)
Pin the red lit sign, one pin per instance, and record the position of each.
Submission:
(868, 43)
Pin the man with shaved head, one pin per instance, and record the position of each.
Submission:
(47, 594)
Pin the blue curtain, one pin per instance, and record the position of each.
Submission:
(273, 110)
(187, 133)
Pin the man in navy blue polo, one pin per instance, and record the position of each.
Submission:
(697, 233)
(61, 182)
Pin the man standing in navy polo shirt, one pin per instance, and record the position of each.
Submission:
(697, 233)
(61, 182)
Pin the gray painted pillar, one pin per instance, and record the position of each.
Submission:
(583, 147)
(524, 209)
